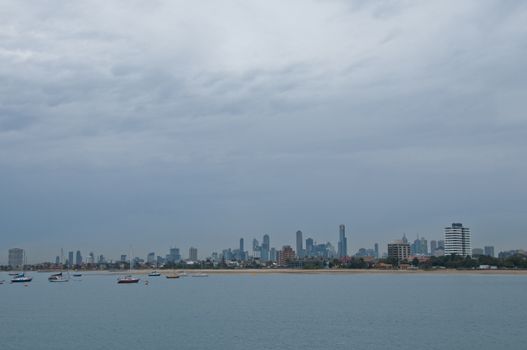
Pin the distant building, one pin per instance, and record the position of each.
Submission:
(151, 259)
(363, 253)
(457, 240)
(419, 247)
(343, 242)
(489, 251)
(70, 259)
(433, 246)
(57, 260)
(78, 258)
(299, 247)
(123, 258)
(477, 252)
(376, 249)
(193, 254)
(399, 250)
(309, 247)
(273, 254)
(173, 256)
(16, 258)
(287, 254)
(264, 255)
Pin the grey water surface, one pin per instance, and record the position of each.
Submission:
(267, 311)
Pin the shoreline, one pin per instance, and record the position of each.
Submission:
(300, 271)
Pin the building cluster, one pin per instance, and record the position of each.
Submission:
(456, 241)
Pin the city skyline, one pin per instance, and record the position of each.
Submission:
(196, 124)
(420, 246)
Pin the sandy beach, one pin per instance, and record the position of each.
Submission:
(328, 271)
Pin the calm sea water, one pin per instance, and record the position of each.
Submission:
(279, 311)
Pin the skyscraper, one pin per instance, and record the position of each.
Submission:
(241, 245)
(309, 247)
(457, 240)
(265, 248)
(376, 249)
(70, 259)
(193, 254)
(151, 259)
(489, 251)
(16, 257)
(78, 258)
(433, 246)
(299, 248)
(343, 242)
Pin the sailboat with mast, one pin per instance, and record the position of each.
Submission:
(58, 277)
(21, 277)
(128, 279)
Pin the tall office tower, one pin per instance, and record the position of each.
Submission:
(173, 255)
(16, 257)
(151, 259)
(419, 246)
(309, 247)
(376, 249)
(257, 250)
(299, 248)
(343, 242)
(57, 260)
(70, 259)
(489, 251)
(242, 250)
(399, 250)
(91, 258)
(457, 240)
(123, 258)
(433, 246)
(193, 254)
(78, 258)
(265, 248)
(441, 244)
(272, 254)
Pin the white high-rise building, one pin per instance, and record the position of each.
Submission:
(457, 240)
(16, 257)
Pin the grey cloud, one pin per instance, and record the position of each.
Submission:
(200, 123)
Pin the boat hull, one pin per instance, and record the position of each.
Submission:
(21, 280)
(127, 281)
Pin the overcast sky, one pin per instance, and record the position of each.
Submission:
(183, 123)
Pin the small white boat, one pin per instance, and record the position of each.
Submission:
(21, 278)
(58, 277)
(201, 274)
(127, 279)
(154, 274)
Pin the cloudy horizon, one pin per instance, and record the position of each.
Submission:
(170, 123)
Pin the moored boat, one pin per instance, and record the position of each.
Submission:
(58, 277)
(21, 278)
(201, 274)
(127, 279)
(154, 274)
